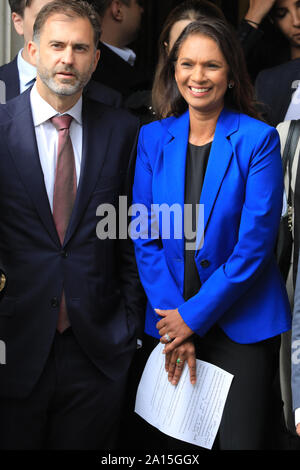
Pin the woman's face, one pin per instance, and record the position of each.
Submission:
(201, 74)
(287, 17)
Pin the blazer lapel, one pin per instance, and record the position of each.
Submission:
(93, 156)
(218, 162)
(23, 148)
(174, 173)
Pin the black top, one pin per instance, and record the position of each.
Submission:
(196, 162)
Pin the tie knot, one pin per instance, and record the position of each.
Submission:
(62, 122)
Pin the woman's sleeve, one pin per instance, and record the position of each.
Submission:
(257, 234)
(159, 284)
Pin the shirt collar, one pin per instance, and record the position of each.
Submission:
(27, 72)
(126, 54)
(43, 111)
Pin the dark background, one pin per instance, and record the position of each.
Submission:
(155, 13)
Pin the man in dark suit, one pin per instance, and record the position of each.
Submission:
(276, 87)
(276, 90)
(72, 306)
(119, 68)
(19, 74)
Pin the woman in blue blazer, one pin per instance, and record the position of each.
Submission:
(221, 297)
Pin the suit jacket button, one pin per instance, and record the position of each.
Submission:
(205, 263)
(54, 302)
(64, 254)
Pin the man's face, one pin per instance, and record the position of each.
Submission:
(287, 18)
(24, 25)
(65, 56)
(132, 20)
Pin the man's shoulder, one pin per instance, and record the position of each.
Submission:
(109, 54)
(281, 71)
(8, 68)
(99, 92)
(120, 117)
(14, 107)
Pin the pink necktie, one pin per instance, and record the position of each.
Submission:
(65, 186)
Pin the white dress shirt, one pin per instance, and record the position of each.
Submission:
(47, 137)
(125, 53)
(27, 72)
(293, 111)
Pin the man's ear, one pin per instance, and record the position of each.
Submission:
(32, 49)
(18, 23)
(96, 60)
(117, 10)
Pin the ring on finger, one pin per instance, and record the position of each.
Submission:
(178, 361)
(167, 338)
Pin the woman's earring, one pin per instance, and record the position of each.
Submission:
(230, 85)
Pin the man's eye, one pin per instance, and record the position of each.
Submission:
(80, 48)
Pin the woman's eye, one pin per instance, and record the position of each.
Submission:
(280, 13)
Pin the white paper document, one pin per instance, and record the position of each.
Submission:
(191, 413)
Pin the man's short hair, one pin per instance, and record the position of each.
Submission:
(17, 6)
(102, 5)
(70, 8)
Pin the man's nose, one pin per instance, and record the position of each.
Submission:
(68, 55)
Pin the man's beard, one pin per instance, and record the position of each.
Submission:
(64, 88)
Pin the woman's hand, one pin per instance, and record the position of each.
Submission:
(176, 359)
(172, 329)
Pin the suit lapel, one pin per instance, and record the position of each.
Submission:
(174, 175)
(218, 162)
(93, 156)
(23, 148)
(11, 80)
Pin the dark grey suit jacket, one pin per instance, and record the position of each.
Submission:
(99, 277)
(274, 89)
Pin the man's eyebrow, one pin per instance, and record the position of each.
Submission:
(81, 44)
(75, 44)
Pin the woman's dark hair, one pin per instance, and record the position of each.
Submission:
(239, 98)
(192, 10)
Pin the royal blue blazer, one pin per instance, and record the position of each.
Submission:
(241, 287)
